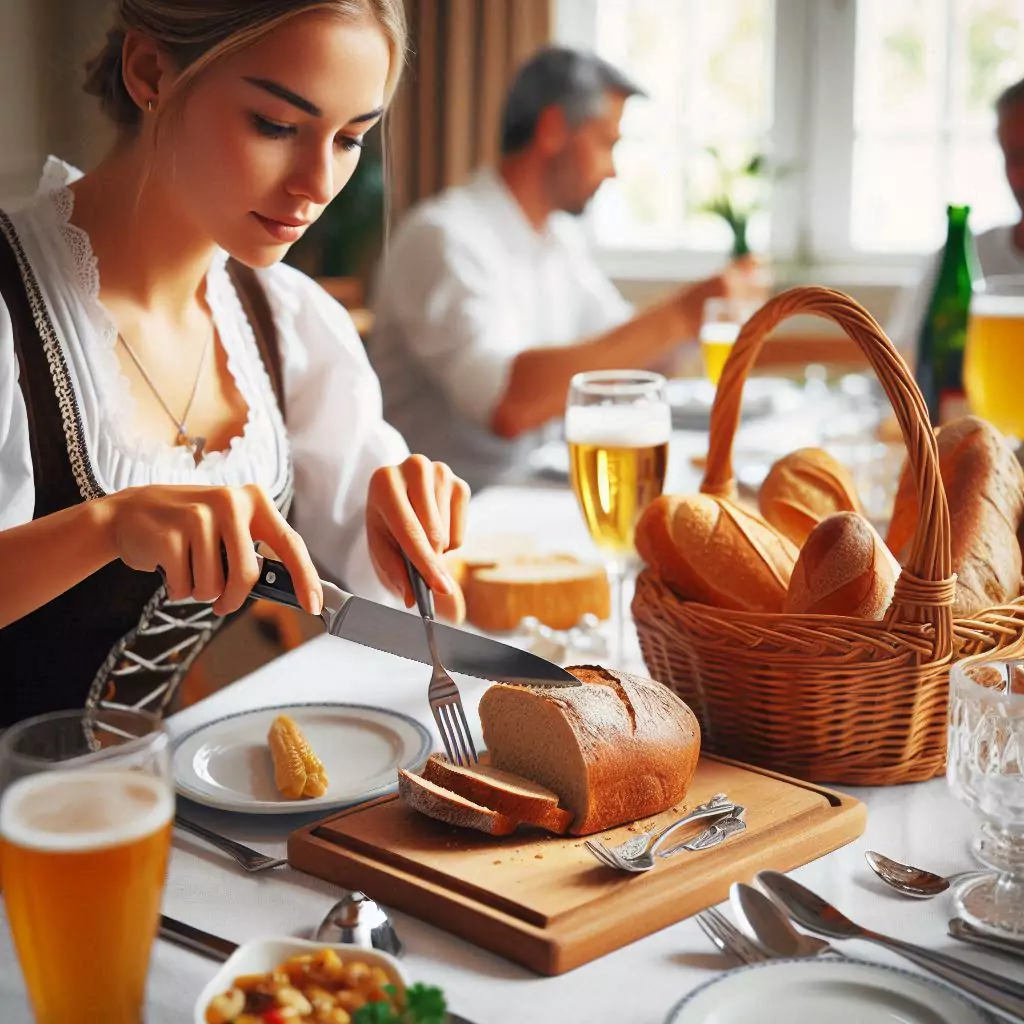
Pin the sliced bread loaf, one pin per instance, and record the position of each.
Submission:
(444, 805)
(617, 749)
(518, 798)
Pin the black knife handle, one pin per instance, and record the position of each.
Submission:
(420, 590)
(275, 584)
(196, 939)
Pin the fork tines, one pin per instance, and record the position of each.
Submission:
(454, 728)
(727, 937)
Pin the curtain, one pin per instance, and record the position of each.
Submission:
(446, 118)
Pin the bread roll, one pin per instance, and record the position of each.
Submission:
(444, 805)
(515, 797)
(557, 590)
(802, 489)
(711, 550)
(844, 568)
(617, 749)
(984, 486)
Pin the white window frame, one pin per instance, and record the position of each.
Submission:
(813, 131)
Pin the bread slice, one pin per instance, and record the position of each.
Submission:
(614, 750)
(556, 589)
(512, 795)
(444, 805)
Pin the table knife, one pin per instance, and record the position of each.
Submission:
(397, 632)
(966, 932)
(196, 939)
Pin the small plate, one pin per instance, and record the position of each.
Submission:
(261, 955)
(226, 763)
(836, 991)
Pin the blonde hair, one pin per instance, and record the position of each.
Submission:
(198, 33)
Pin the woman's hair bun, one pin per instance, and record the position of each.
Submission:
(103, 78)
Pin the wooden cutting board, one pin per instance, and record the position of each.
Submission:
(543, 901)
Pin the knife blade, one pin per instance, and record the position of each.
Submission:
(397, 632)
(196, 939)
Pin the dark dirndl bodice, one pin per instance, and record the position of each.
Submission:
(115, 637)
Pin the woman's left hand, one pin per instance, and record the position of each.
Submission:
(420, 508)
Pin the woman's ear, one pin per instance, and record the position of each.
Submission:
(148, 71)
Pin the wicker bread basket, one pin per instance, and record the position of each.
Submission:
(826, 698)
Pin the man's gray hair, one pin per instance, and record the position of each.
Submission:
(576, 81)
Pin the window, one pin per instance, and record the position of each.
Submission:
(880, 110)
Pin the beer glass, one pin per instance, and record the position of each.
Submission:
(617, 425)
(995, 353)
(720, 326)
(86, 810)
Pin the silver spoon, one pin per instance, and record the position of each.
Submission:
(770, 927)
(911, 881)
(357, 920)
(813, 913)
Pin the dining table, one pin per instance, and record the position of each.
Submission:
(921, 824)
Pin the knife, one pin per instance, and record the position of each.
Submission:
(397, 632)
(196, 939)
(966, 932)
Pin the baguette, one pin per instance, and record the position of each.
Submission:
(984, 486)
(614, 750)
(844, 568)
(802, 489)
(443, 805)
(515, 797)
(712, 550)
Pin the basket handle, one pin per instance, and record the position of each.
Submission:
(925, 590)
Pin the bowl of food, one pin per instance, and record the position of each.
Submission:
(289, 980)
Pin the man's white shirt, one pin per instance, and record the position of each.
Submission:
(466, 286)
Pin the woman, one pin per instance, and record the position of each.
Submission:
(159, 402)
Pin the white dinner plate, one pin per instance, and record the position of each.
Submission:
(816, 991)
(226, 763)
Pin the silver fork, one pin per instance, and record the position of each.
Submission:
(443, 694)
(728, 938)
(622, 858)
(248, 858)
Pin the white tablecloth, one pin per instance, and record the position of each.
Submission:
(921, 824)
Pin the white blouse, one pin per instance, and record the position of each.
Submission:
(335, 433)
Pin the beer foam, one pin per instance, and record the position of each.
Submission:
(719, 333)
(75, 812)
(618, 426)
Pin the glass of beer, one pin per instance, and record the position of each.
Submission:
(617, 425)
(994, 353)
(86, 810)
(720, 327)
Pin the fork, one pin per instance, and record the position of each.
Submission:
(443, 694)
(248, 858)
(622, 858)
(728, 938)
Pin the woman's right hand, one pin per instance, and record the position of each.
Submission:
(182, 529)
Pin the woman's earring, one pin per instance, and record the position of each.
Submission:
(150, 106)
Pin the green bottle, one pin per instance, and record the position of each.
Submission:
(940, 349)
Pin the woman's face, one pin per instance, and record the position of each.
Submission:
(269, 136)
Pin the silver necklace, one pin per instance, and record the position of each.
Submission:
(194, 443)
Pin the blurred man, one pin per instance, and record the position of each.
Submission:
(1000, 250)
(488, 301)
